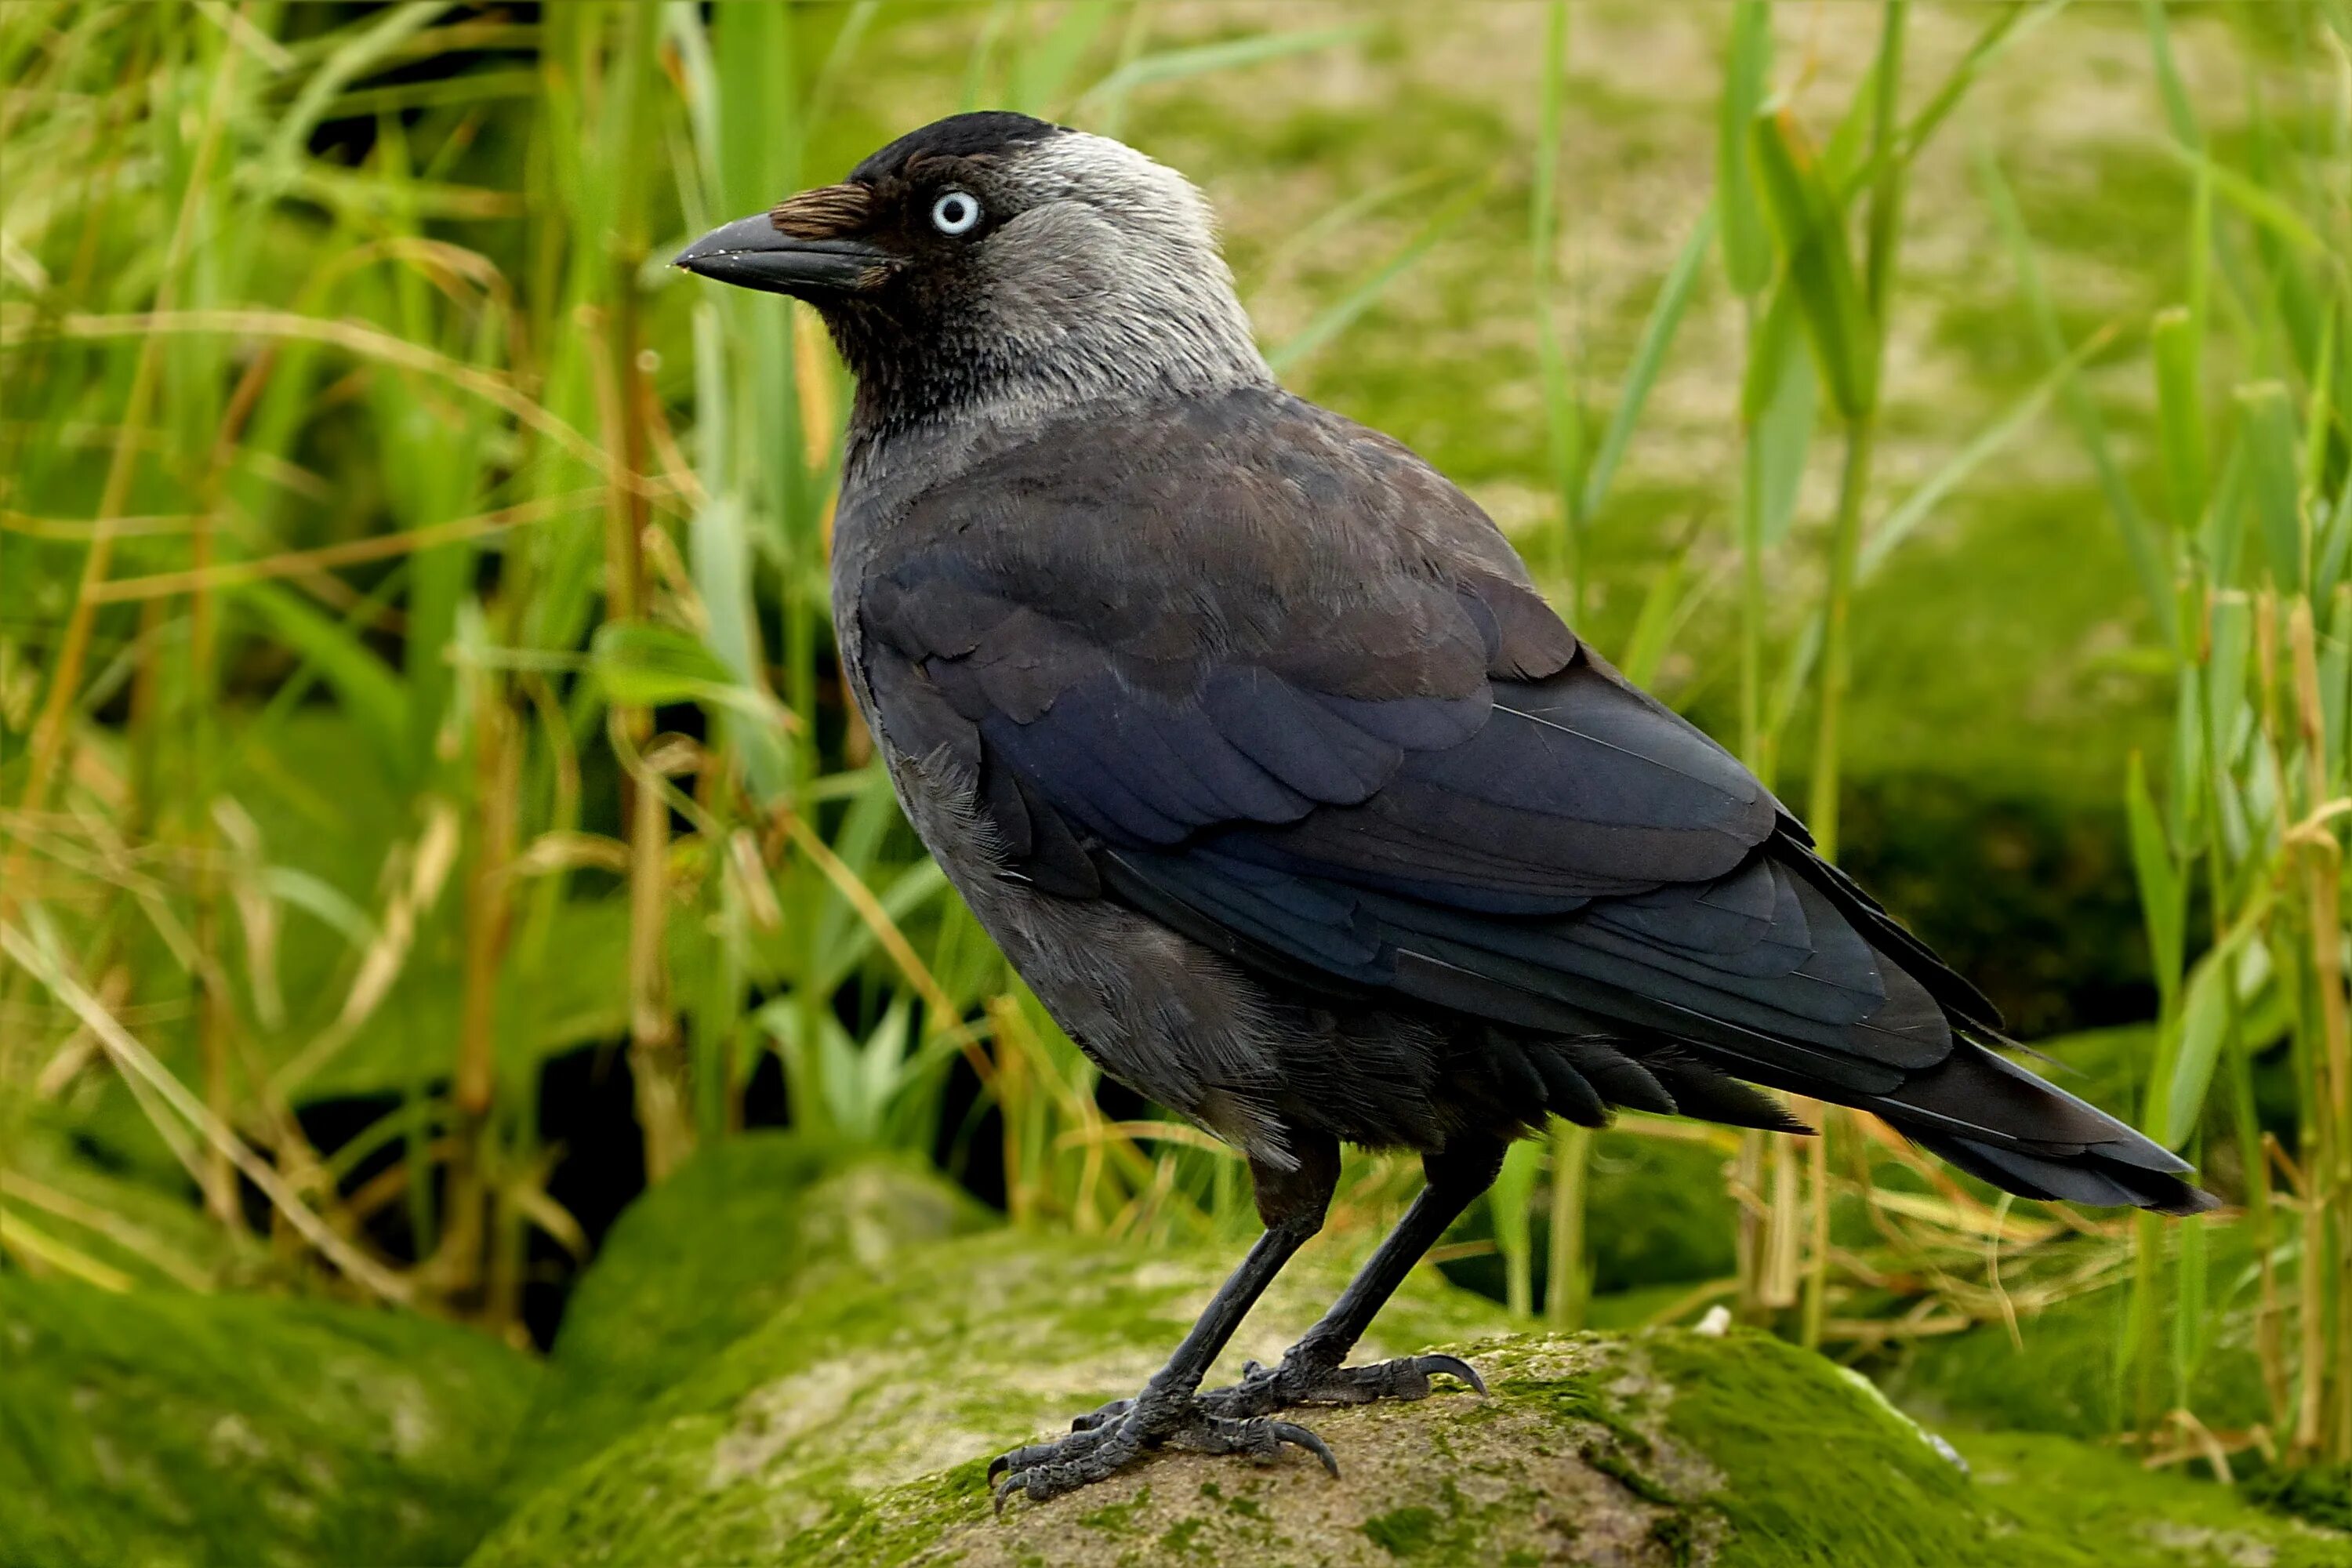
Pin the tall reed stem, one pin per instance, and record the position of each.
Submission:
(1567, 1282)
(1563, 423)
(1837, 637)
(48, 739)
(1845, 549)
(2324, 1423)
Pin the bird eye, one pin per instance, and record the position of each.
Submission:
(955, 212)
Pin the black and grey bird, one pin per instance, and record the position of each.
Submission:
(1247, 736)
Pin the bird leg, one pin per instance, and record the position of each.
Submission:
(1167, 1414)
(1311, 1372)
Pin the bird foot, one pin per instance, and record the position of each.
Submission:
(1298, 1381)
(1107, 1440)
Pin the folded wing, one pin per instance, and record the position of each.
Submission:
(1368, 760)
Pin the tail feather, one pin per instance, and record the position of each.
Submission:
(2023, 1135)
(1702, 1092)
(2092, 1178)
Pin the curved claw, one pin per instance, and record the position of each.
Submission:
(1010, 1484)
(997, 1466)
(1019, 1459)
(1094, 1418)
(1453, 1366)
(1290, 1432)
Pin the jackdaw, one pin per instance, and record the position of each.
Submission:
(1249, 739)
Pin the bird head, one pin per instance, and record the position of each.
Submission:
(994, 261)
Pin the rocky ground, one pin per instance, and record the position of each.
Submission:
(789, 1357)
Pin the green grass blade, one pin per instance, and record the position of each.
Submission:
(1915, 508)
(1362, 205)
(358, 55)
(2163, 890)
(1658, 331)
(2176, 108)
(2319, 414)
(366, 686)
(1811, 232)
(1664, 607)
(2140, 541)
(2266, 428)
(1957, 469)
(1507, 1201)
(2009, 27)
(2267, 212)
(1780, 399)
(1175, 65)
(638, 664)
(2191, 1327)
(1746, 243)
(2189, 790)
(1041, 71)
(720, 550)
(855, 25)
(1336, 317)
(2205, 1020)
(2336, 680)
(2174, 343)
(2331, 542)
(1563, 411)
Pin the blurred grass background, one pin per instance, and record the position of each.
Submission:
(428, 805)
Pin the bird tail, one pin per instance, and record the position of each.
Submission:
(2002, 1124)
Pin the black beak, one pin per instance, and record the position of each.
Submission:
(752, 253)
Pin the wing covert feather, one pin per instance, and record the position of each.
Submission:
(1307, 710)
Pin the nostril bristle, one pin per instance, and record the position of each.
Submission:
(828, 212)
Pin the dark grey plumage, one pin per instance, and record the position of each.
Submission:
(1247, 736)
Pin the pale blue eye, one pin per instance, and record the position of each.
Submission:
(955, 212)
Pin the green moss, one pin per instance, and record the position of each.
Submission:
(1182, 1539)
(2320, 1493)
(170, 1428)
(2054, 1503)
(1577, 1399)
(1118, 1518)
(704, 1259)
(1404, 1533)
(1811, 1478)
(1675, 1537)
(1626, 1474)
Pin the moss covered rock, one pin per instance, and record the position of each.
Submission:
(2052, 1502)
(122, 1219)
(854, 1426)
(705, 1258)
(162, 1427)
(877, 1373)
(1660, 1449)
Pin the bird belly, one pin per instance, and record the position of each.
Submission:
(1156, 1011)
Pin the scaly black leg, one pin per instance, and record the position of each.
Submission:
(1167, 1414)
(1311, 1372)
